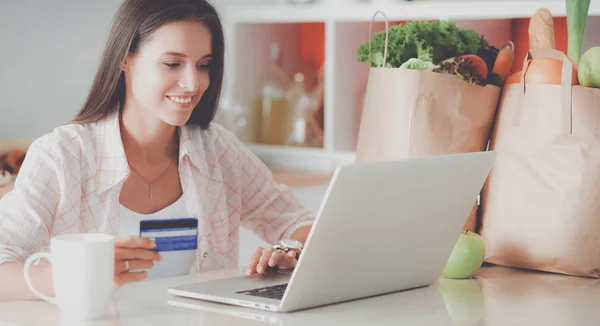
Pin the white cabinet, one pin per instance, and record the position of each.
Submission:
(251, 26)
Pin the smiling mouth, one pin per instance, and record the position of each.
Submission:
(181, 99)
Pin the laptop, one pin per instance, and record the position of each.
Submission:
(382, 227)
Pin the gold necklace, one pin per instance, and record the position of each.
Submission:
(151, 185)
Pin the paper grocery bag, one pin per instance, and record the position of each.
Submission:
(414, 113)
(541, 202)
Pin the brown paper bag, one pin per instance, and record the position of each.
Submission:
(541, 204)
(413, 113)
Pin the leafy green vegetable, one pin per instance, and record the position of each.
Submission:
(418, 64)
(424, 40)
(377, 59)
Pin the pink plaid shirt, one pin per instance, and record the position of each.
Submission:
(71, 179)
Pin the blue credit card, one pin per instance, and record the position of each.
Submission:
(172, 234)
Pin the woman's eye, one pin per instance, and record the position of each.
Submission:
(172, 64)
(205, 66)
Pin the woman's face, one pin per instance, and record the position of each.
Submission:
(169, 73)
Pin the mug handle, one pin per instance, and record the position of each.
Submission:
(27, 271)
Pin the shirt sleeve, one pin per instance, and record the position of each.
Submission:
(27, 212)
(269, 209)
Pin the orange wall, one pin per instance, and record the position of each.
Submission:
(312, 43)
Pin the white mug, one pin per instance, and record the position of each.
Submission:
(83, 272)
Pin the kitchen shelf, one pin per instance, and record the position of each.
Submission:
(460, 10)
(277, 13)
(251, 28)
(344, 11)
(302, 158)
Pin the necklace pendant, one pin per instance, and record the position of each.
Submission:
(151, 192)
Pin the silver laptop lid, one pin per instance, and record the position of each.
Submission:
(385, 227)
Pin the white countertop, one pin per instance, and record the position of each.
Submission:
(496, 296)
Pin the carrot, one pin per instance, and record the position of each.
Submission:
(541, 30)
(545, 71)
(504, 60)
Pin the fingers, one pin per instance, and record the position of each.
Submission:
(284, 260)
(136, 264)
(124, 278)
(269, 257)
(251, 269)
(141, 254)
(136, 252)
(275, 257)
(263, 260)
(134, 242)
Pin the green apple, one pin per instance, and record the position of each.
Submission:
(589, 68)
(464, 300)
(467, 256)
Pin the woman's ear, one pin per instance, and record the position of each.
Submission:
(126, 64)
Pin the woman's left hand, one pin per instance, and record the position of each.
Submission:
(264, 257)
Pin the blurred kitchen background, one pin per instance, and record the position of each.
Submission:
(293, 89)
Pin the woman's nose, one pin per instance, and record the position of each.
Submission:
(189, 80)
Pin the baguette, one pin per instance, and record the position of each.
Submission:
(541, 30)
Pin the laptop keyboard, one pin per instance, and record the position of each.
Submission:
(271, 292)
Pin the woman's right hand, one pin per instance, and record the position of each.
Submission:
(133, 255)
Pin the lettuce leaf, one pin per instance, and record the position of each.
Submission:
(418, 64)
(424, 40)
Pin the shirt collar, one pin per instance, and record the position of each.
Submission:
(113, 167)
(191, 146)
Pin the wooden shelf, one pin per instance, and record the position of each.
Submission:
(399, 10)
(302, 158)
(457, 10)
(295, 178)
(279, 13)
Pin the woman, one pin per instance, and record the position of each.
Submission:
(143, 147)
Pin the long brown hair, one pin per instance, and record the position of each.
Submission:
(133, 23)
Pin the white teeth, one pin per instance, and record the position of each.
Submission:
(183, 100)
